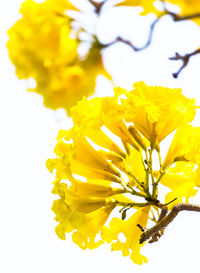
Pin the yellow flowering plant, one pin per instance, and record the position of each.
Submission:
(109, 168)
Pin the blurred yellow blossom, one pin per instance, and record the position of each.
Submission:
(147, 5)
(42, 47)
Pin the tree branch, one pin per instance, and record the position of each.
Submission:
(177, 17)
(167, 220)
(127, 42)
(97, 6)
(185, 59)
(157, 235)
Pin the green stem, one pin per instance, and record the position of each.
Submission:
(147, 173)
(134, 177)
(139, 194)
(160, 160)
(150, 167)
(129, 189)
(155, 184)
(130, 204)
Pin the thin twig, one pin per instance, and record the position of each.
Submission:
(135, 48)
(177, 17)
(158, 234)
(185, 59)
(167, 220)
(97, 6)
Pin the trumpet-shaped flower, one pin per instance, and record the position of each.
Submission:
(181, 180)
(68, 219)
(185, 146)
(132, 233)
(85, 237)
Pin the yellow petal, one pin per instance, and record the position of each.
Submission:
(181, 180)
(157, 111)
(85, 237)
(64, 214)
(96, 190)
(185, 145)
(131, 232)
(91, 173)
(87, 155)
(83, 204)
(148, 6)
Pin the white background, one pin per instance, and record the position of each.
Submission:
(28, 242)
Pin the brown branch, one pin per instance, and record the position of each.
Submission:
(185, 59)
(177, 17)
(135, 48)
(157, 235)
(97, 6)
(167, 220)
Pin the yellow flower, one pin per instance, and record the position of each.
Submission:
(106, 160)
(185, 146)
(41, 47)
(187, 7)
(84, 226)
(68, 219)
(84, 204)
(93, 189)
(61, 5)
(131, 232)
(87, 197)
(85, 237)
(147, 5)
(94, 196)
(157, 111)
(197, 175)
(181, 180)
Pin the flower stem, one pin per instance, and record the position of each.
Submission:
(155, 184)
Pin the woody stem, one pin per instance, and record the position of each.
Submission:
(167, 220)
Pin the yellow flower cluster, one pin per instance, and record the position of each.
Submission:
(106, 174)
(41, 46)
